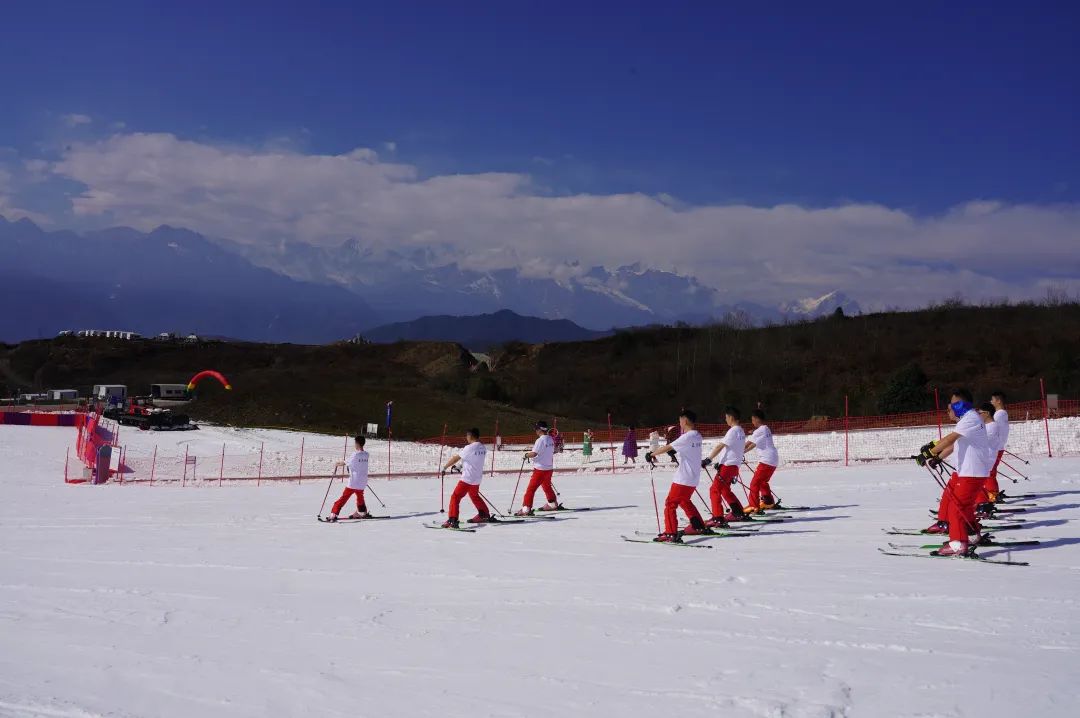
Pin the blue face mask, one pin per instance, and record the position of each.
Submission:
(960, 408)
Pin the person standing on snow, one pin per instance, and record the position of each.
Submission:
(542, 453)
(997, 444)
(768, 459)
(472, 472)
(727, 470)
(672, 434)
(586, 446)
(687, 475)
(970, 443)
(629, 446)
(358, 478)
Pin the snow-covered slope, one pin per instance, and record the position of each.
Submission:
(128, 601)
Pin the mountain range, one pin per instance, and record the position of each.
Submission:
(173, 279)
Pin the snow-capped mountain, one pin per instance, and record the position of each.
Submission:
(821, 306)
(404, 284)
(173, 278)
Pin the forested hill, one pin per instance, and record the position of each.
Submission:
(885, 363)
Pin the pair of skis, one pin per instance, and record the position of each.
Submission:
(534, 518)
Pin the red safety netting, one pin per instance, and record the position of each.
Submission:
(1035, 428)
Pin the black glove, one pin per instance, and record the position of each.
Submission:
(716, 467)
(649, 457)
(933, 462)
(704, 463)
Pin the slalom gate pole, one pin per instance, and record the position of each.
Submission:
(374, 494)
(1018, 458)
(488, 501)
(656, 505)
(517, 484)
(442, 474)
(327, 494)
(1013, 468)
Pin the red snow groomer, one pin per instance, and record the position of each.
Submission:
(140, 411)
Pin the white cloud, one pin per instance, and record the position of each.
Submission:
(879, 254)
(75, 119)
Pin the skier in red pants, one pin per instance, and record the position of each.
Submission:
(688, 448)
(768, 458)
(358, 478)
(970, 443)
(472, 472)
(543, 455)
(999, 437)
(730, 450)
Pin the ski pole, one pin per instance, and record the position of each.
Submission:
(376, 496)
(1016, 457)
(655, 505)
(485, 498)
(518, 483)
(327, 494)
(1007, 476)
(1018, 472)
(708, 507)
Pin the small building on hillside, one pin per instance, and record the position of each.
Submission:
(63, 395)
(177, 392)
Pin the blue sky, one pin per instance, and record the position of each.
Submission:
(916, 107)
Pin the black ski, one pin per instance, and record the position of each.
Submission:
(991, 544)
(564, 511)
(922, 532)
(450, 528)
(716, 534)
(666, 543)
(973, 557)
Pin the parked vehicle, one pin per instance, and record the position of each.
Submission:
(141, 412)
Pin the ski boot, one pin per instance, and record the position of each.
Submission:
(938, 527)
(483, 519)
(360, 515)
(549, 507)
(985, 510)
(332, 518)
(525, 511)
(717, 522)
(697, 527)
(450, 524)
(959, 549)
(668, 538)
(736, 516)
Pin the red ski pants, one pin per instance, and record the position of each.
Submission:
(540, 477)
(991, 484)
(679, 497)
(345, 496)
(958, 505)
(461, 491)
(759, 485)
(721, 489)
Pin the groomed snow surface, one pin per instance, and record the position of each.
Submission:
(204, 601)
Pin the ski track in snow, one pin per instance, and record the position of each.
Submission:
(126, 601)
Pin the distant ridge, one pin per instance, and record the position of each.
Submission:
(482, 331)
